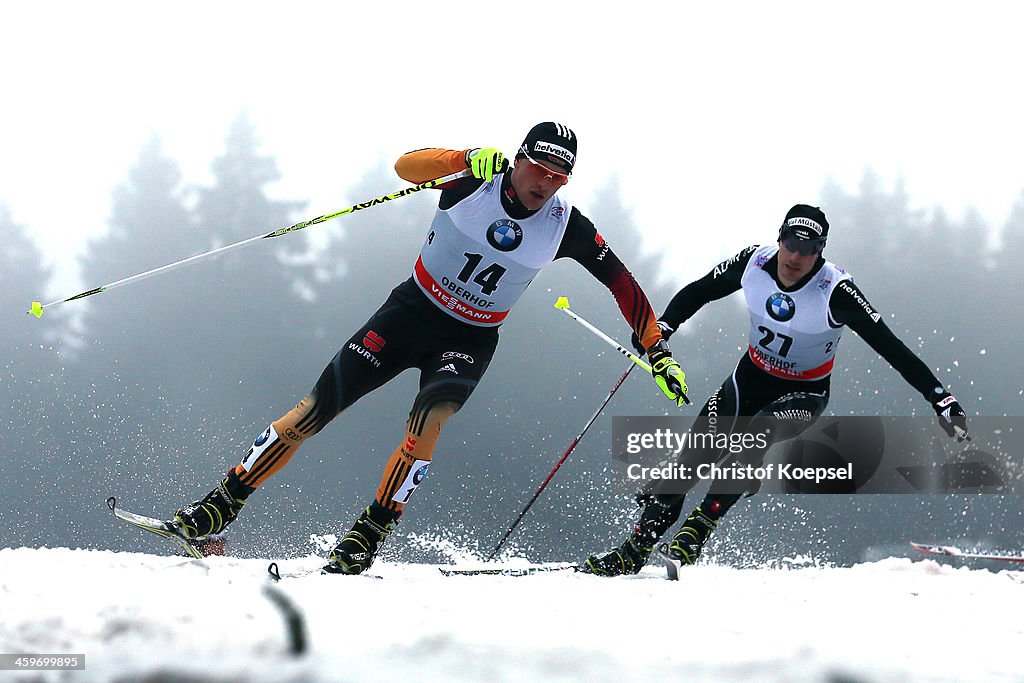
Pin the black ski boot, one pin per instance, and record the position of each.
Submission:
(632, 555)
(686, 545)
(358, 549)
(628, 558)
(212, 514)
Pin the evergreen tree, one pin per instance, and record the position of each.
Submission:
(369, 252)
(28, 359)
(256, 315)
(867, 229)
(37, 469)
(1011, 240)
(137, 332)
(23, 278)
(133, 427)
(1003, 324)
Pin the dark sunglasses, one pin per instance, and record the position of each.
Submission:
(804, 247)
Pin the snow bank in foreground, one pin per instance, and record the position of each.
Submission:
(144, 617)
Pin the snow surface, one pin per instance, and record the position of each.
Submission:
(141, 617)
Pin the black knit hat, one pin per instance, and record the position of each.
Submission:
(551, 143)
(805, 223)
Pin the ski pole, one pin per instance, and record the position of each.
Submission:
(562, 304)
(37, 308)
(560, 461)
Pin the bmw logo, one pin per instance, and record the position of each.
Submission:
(780, 307)
(262, 438)
(420, 474)
(504, 235)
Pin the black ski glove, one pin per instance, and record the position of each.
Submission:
(952, 417)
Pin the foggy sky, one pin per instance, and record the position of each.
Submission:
(749, 107)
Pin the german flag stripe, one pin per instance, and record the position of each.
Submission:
(324, 408)
(263, 463)
(249, 478)
(398, 475)
(450, 391)
(638, 312)
(417, 420)
(314, 421)
(634, 305)
(303, 425)
(324, 401)
(643, 313)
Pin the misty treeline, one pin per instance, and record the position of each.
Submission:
(152, 391)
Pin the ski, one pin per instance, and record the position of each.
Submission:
(275, 573)
(169, 530)
(509, 571)
(953, 551)
(672, 565)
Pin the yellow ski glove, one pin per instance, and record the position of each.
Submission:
(485, 162)
(667, 373)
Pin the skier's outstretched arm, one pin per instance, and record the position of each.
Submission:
(849, 306)
(720, 282)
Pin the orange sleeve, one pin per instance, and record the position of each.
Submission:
(422, 165)
(652, 334)
(635, 307)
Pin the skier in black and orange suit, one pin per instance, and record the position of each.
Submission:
(492, 233)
